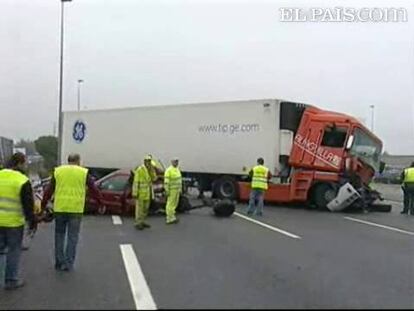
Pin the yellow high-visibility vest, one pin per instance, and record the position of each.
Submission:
(70, 189)
(142, 184)
(11, 208)
(409, 175)
(172, 180)
(259, 179)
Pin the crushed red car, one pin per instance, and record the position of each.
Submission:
(116, 192)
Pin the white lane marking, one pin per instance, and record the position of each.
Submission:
(267, 226)
(139, 287)
(380, 226)
(116, 220)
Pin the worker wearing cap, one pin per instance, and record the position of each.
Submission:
(144, 176)
(407, 177)
(260, 176)
(16, 207)
(173, 186)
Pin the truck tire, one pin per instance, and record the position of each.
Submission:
(383, 208)
(183, 205)
(224, 208)
(226, 188)
(323, 193)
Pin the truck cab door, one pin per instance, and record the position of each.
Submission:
(319, 145)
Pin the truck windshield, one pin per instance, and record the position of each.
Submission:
(366, 148)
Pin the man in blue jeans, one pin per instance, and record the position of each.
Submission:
(16, 208)
(260, 176)
(69, 184)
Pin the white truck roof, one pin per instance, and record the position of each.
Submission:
(218, 137)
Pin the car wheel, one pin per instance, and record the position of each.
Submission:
(102, 210)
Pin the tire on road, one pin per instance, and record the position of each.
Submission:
(224, 208)
(384, 208)
(183, 205)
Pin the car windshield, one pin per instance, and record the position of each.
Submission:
(366, 148)
(115, 183)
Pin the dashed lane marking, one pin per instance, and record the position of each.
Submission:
(139, 287)
(291, 235)
(116, 220)
(379, 225)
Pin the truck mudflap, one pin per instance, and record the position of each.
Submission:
(346, 196)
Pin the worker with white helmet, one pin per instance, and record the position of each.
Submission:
(144, 176)
(173, 186)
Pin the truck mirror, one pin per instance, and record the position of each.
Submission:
(382, 167)
(350, 142)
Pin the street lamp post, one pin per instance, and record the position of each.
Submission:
(80, 81)
(372, 117)
(60, 121)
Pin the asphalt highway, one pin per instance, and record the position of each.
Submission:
(289, 258)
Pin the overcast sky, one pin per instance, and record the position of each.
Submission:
(133, 52)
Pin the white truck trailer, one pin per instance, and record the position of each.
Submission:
(211, 140)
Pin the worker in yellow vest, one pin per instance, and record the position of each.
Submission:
(144, 176)
(16, 208)
(173, 185)
(260, 176)
(408, 188)
(68, 184)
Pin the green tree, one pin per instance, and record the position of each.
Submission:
(47, 147)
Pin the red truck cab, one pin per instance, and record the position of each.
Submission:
(330, 150)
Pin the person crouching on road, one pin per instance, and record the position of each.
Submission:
(173, 186)
(144, 176)
(407, 177)
(16, 207)
(260, 176)
(69, 184)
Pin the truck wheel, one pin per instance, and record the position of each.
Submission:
(324, 193)
(384, 208)
(226, 188)
(224, 208)
(183, 205)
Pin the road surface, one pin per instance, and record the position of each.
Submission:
(289, 258)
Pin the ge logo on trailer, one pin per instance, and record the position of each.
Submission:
(79, 131)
